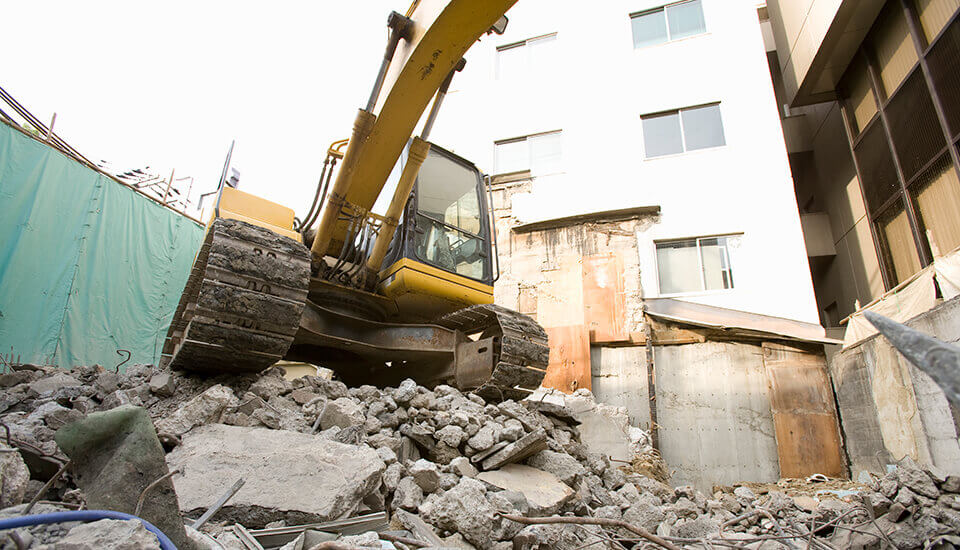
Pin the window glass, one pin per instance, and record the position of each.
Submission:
(511, 156)
(861, 99)
(685, 19)
(716, 263)
(934, 14)
(898, 245)
(878, 173)
(545, 153)
(448, 248)
(937, 197)
(447, 192)
(894, 48)
(649, 28)
(511, 62)
(661, 134)
(702, 127)
(944, 62)
(678, 267)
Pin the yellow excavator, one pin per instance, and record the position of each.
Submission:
(407, 293)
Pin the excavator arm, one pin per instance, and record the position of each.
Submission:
(438, 34)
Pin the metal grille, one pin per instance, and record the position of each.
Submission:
(944, 62)
(876, 167)
(914, 127)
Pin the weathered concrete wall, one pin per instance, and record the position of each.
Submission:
(620, 379)
(713, 408)
(889, 408)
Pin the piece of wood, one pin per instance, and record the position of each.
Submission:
(603, 298)
(804, 414)
(569, 368)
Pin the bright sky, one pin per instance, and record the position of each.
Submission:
(170, 84)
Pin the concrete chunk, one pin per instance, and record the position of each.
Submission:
(527, 445)
(292, 476)
(202, 409)
(542, 489)
(109, 534)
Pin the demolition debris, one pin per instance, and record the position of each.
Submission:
(327, 466)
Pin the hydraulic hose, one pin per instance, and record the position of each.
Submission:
(83, 515)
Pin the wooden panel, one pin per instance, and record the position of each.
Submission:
(569, 368)
(603, 298)
(804, 416)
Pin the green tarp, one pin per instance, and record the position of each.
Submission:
(87, 265)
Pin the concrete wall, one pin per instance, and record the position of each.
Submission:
(713, 408)
(596, 97)
(829, 184)
(889, 408)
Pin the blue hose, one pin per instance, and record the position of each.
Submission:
(83, 515)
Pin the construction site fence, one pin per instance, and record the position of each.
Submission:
(89, 268)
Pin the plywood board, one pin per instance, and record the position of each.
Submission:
(804, 415)
(603, 298)
(569, 368)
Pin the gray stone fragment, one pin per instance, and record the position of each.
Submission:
(684, 508)
(277, 465)
(910, 474)
(53, 383)
(270, 385)
(462, 467)
(163, 384)
(387, 455)
(648, 485)
(370, 539)
(558, 537)
(205, 408)
(456, 540)
(465, 510)
(613, 478)
(541, 489)
(408, 495)
(629, 493)
(107, 382)
(342, 412)
(451, 435)
(426, 474)
(644, 515)
(109, 534)
(698, 528)
(527, 445)
(951, 484)
(564, 466)
(392, 475)
(14, 477)
(486, 437)
(745, 494)
(406, 391)
(905, 497)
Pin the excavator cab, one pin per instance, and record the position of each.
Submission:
(441, 258)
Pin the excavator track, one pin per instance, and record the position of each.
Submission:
(242, 303)
(520, 346)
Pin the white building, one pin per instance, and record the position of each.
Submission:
(620, 104)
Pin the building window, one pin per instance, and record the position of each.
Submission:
(539, 153)
(671, 22)
(904, 153)
(687, 129)
(694, 265)
(532, 56)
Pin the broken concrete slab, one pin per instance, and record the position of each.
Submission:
(53, 383)
(562, 465)
(163, 384)
(530, 444)
(278, 466)
(542, 489)
(202, 409)
(109, 534)
(14, 477)
(114, 456)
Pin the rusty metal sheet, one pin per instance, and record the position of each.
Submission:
(603, 298)
(569, 368)
(804, 415)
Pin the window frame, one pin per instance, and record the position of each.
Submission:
(703, 280)
(525, 139)
(683, 132)
(525, 43)
(666, 19)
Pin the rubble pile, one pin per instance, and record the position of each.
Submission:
(449, 469)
